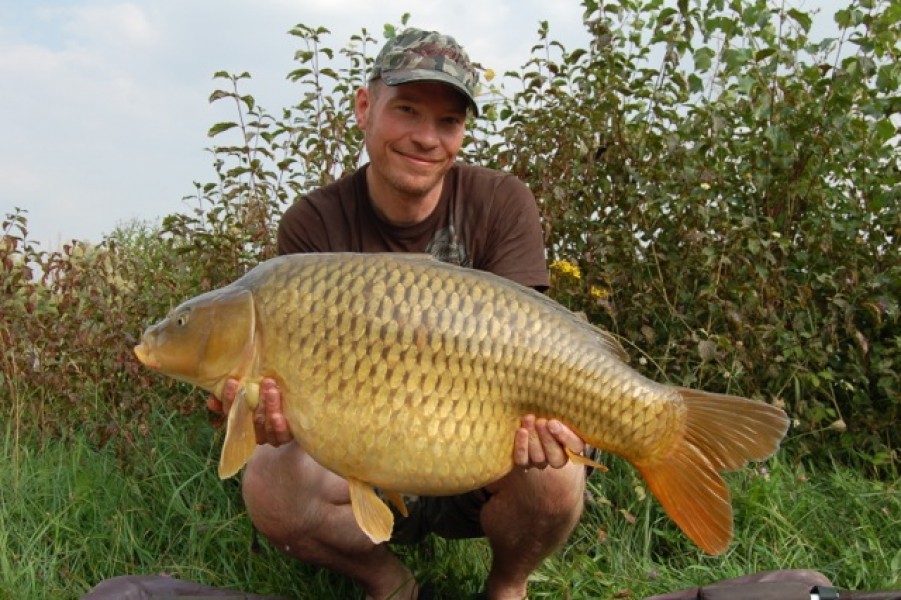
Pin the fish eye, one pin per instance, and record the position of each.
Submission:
(182, 319)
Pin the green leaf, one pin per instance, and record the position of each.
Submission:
(220, 127)
(297, 74)
(695, 83)
(842, 18)
(219, 94)
(885, 131)
(665, 14)
(887, 78)
(802, 18)
(703, 58)
(736, 58)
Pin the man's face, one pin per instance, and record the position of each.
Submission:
(413, 133)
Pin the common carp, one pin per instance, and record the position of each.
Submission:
(410, 375)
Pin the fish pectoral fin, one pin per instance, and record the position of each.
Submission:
(372, 514)
(240, 437)
(397, 499)
(584, 460)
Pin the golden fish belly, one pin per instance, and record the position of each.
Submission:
(413, 376)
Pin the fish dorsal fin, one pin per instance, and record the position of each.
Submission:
(372, 514)
(608, 340)
(240, 437)
(414, 255)
(611, 343)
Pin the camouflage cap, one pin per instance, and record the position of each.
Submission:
(417, 55)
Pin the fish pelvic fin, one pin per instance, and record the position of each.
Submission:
(372, 514)
(240, 435)
(722, 433)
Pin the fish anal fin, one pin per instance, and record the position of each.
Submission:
(372, 514)
(397, 499)
(240, 436)
(585, 461)
(722, 433)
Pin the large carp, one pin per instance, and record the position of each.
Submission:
(407, 374)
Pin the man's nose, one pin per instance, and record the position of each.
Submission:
(426, 134)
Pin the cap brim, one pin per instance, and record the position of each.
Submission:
(393, 78)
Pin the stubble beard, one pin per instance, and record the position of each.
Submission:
(411, 186)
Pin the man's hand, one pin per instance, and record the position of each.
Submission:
(268, 420)
(541, 443)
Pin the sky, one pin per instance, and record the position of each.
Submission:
(105, 102)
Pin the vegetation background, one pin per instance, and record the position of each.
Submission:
(717, 188)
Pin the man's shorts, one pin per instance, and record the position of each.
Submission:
(451, 517)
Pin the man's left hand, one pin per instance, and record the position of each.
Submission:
(541, 443)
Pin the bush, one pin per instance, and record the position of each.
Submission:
(69, 319)
(733, 211)
(718, 189)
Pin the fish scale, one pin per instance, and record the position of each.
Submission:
(413, 376)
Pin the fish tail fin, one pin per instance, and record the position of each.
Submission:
(722, 433)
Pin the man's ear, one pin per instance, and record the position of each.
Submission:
(361, 107)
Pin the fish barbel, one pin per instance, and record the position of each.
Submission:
(411, 375)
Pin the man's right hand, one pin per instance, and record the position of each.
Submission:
(269, 422)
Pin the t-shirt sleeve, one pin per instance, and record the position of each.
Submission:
(302, 229)
(515, 244)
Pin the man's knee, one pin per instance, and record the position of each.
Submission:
(564, 492)
(277, 498)
(289, 496)
(550, 493)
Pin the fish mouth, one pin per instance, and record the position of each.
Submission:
(146, 356)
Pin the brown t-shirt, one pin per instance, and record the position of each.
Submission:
(484, 220)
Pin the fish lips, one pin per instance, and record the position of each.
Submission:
(146, 356)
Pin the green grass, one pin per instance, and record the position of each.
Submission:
(72, 515)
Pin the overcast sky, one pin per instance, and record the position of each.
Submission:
(104, 102)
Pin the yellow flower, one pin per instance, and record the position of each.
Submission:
(564, 267)
(598, 293)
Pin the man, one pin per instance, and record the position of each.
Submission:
(414, 197)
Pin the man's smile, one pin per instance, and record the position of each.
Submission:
(418, 159)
